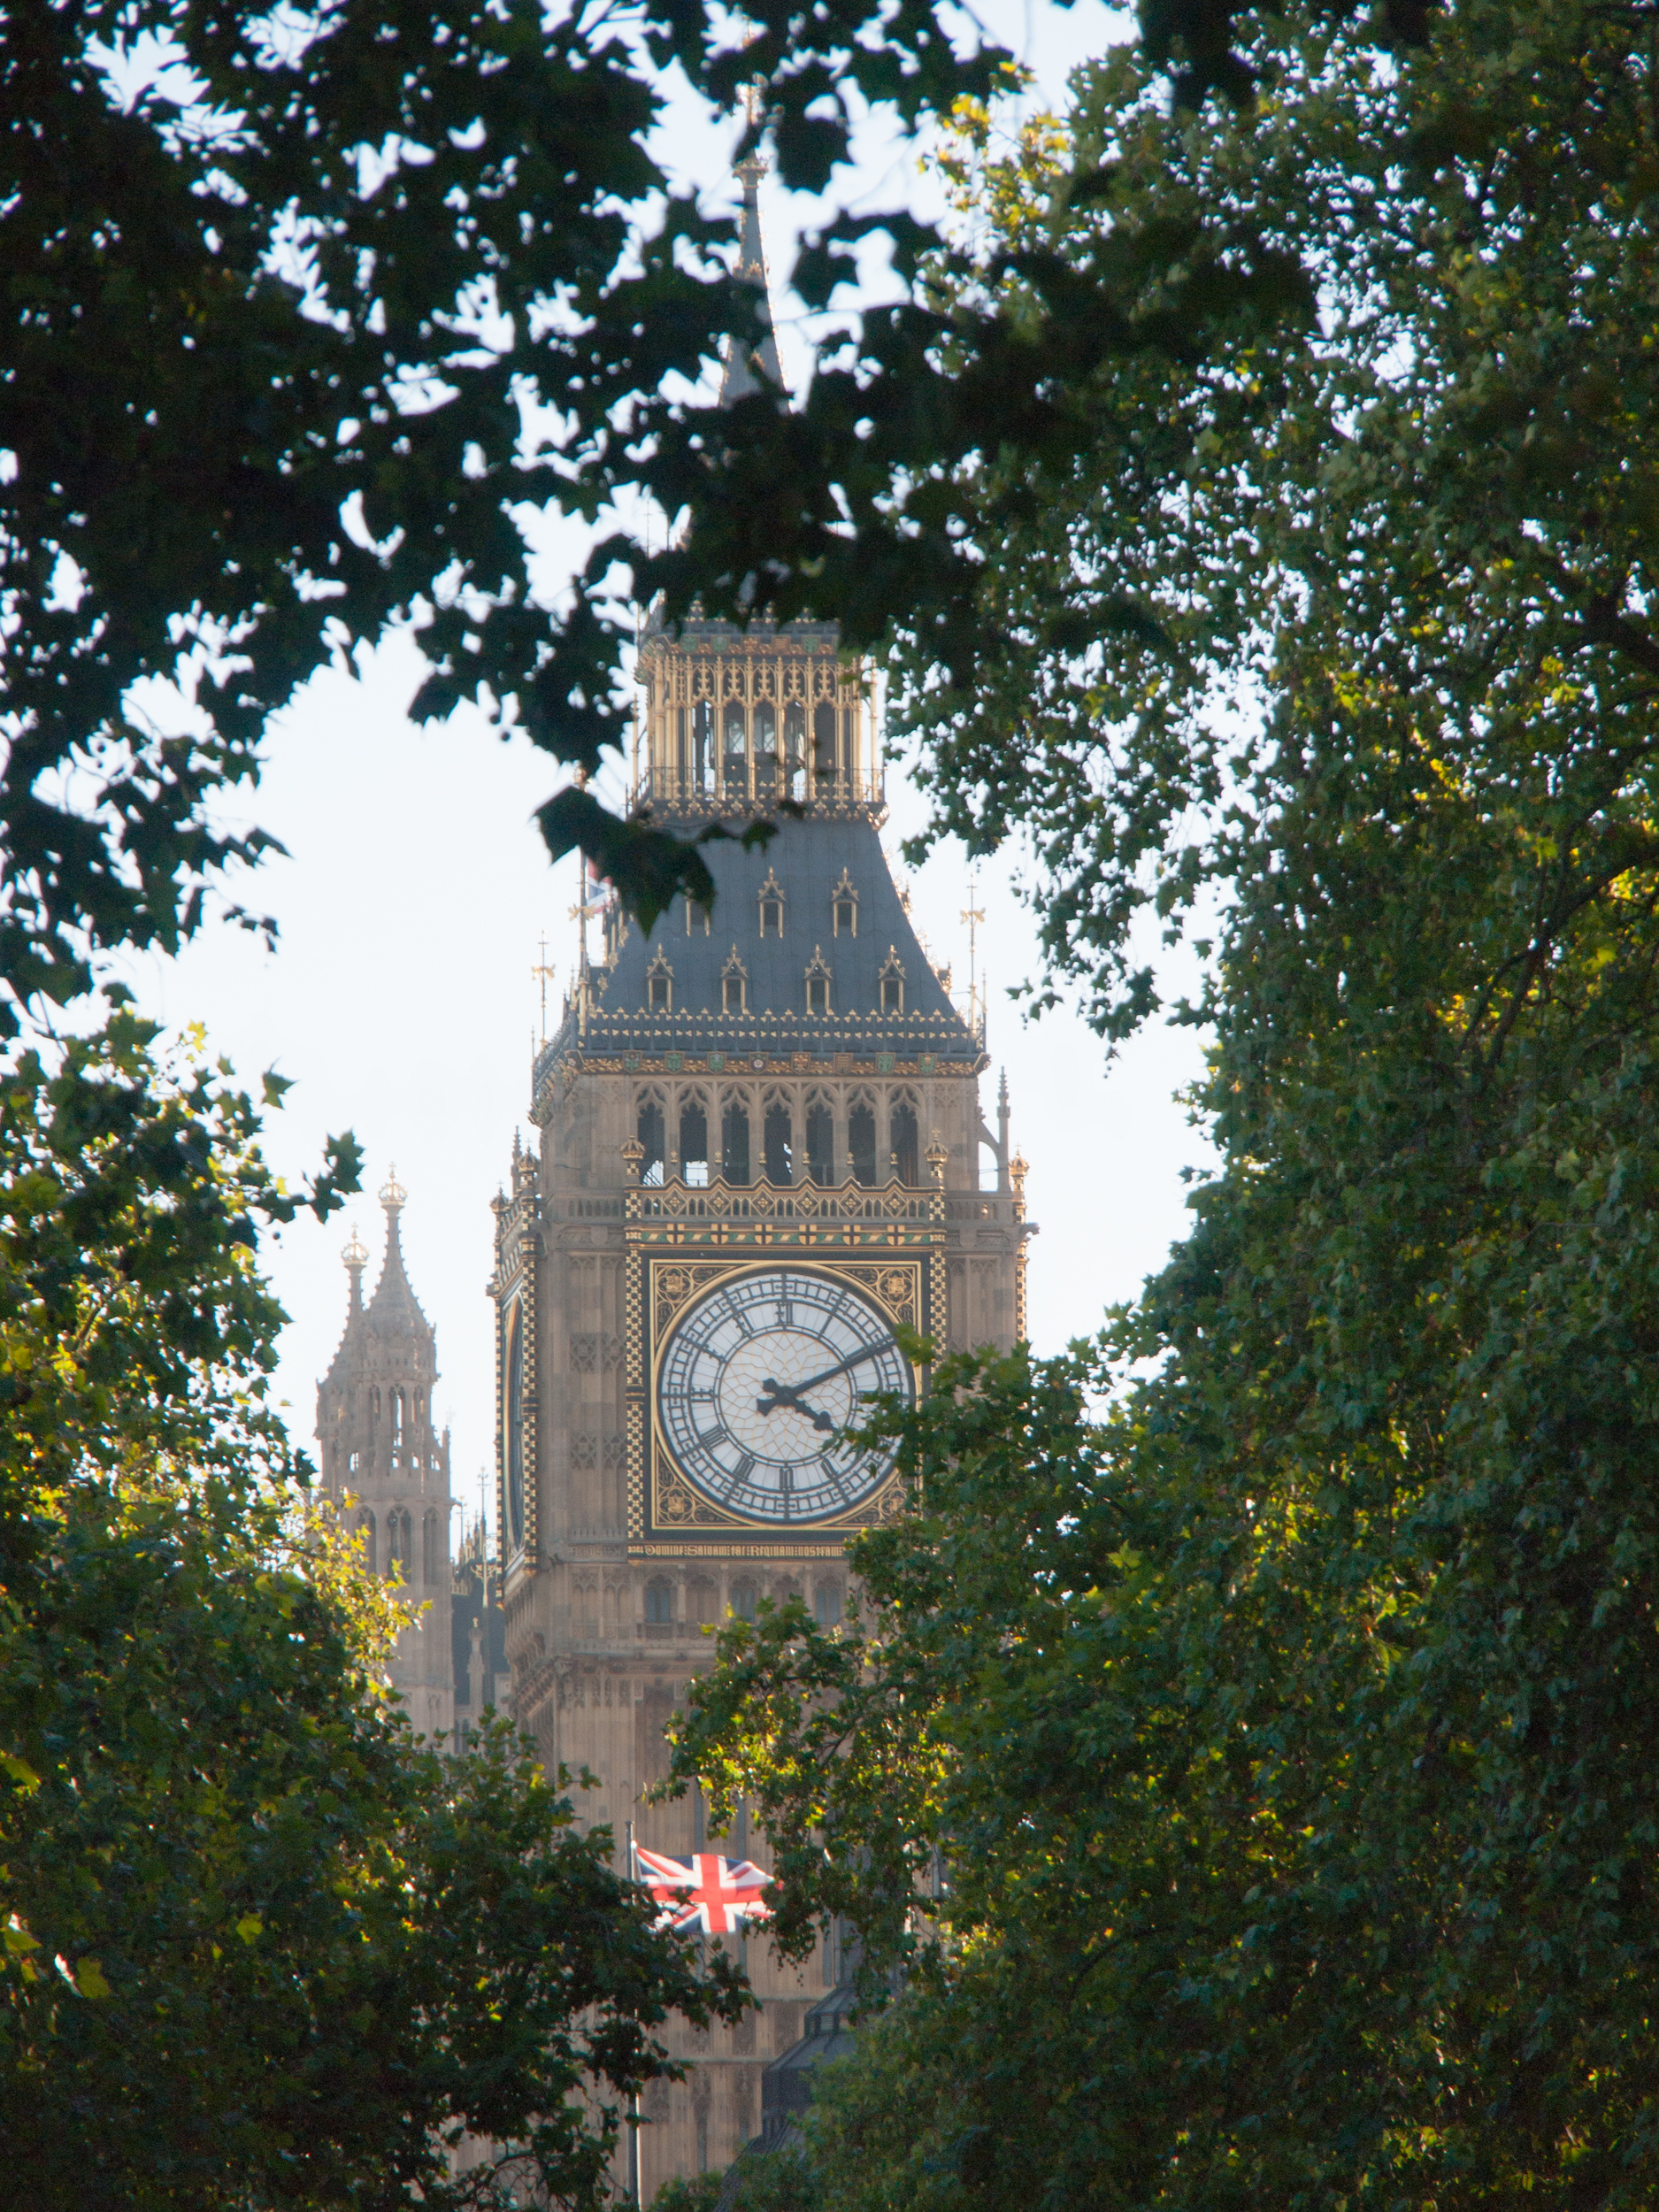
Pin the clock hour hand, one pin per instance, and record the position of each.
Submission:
(783, 1394)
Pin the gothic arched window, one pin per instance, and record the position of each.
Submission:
(652, 1134)
(817, 983)
(744, 1600)
(734, 1143)
(772, 906)
(795, 748)
(825, 768)
(734, 984)
(844, 907)
(780, 1137)
(826, 1604)
(735, 747)
(659, 1603)
(820, 1142)
(702, 746)
(861, 1139)
(892, 981)
(432, 1549)
(659, 986)
(397, 1420)
(694, 1141)
(904, 1140)
(765, 747)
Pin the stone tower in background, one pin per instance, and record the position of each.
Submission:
(379, 1447)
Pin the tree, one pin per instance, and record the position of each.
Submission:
(1431, 503)
(1268, 1763)
(259, 1946)
(308, 312)
(306, 309)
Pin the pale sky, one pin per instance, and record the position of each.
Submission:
(402, 1001)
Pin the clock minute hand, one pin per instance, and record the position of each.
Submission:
(855, 1359)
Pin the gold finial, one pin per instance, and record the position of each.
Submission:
(356, 1255)
(1018, 1168)
(632, 1152)
(393, 1196)
(938, 1159)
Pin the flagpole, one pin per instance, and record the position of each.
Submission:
(633, 2132)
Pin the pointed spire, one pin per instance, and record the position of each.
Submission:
(738, 379)
(356, 1258)
(393, 1310)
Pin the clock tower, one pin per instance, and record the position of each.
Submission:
(758, 1165)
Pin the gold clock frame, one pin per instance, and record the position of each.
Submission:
(854, 1234)
(665, 1513)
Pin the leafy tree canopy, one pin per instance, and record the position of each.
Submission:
(304, 305)
(1258, 1776)
(308, 310)
(256, 1944)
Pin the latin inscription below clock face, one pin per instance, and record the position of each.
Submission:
(759, 1380)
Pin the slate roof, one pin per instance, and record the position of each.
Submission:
(808, 859)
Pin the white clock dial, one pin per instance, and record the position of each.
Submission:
(758, 1381)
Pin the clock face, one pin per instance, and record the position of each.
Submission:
(758, 1380)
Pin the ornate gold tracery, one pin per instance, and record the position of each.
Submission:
(732, 722)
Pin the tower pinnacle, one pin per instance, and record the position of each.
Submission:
(356, 1258)
(738, 379)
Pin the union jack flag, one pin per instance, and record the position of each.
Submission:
(712, 1894)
